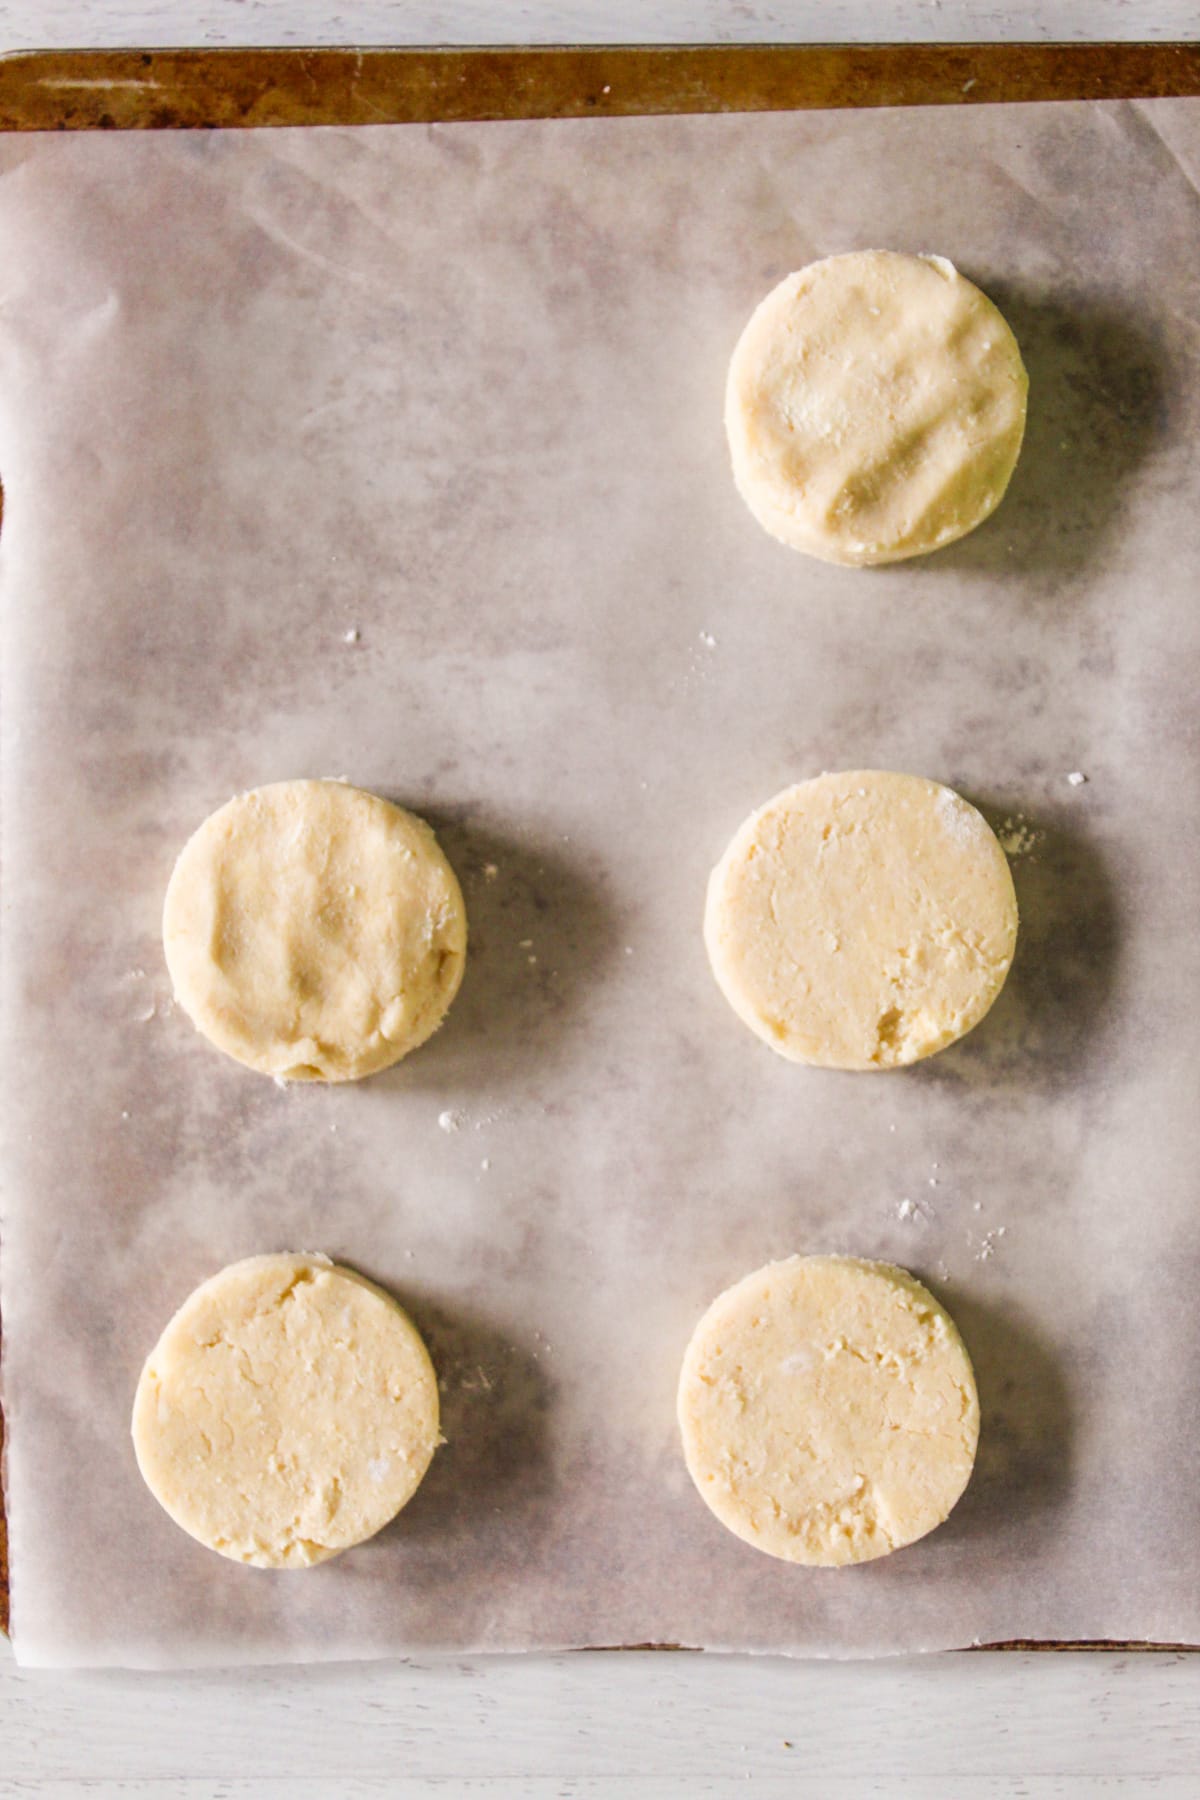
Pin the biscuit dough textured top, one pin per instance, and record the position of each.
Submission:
(828, 1410)
(288, 1411)
(875, 407)
(313, 931)
(862, 920)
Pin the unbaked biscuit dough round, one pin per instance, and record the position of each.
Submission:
(862, 920)
(828, 1410)
(288, 1411)
(314, 932)
(875, 407)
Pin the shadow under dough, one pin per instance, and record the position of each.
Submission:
(1049, 1020)
(1098, 389)
(1023, 1469)
(541, 931)
(495, 1406)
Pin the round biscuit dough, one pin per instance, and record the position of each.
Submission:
(288, 1411)
(314, 932)
(828, 1410)
(862, 920)
(875, 407)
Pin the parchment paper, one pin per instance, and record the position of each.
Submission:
(459, 390)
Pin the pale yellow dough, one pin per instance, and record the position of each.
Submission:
(314, 932)
(862, 920)
(875, 407)
(288, 1411)
(828, 1410)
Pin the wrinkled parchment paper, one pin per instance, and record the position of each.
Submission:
(458, 390)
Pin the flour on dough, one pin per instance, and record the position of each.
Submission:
(288, 1411)
(862, 920)
(828, 1410)
(314, 932)
(875, 407)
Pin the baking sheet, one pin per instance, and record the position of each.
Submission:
(458, 390)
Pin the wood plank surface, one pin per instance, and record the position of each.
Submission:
(200, 89)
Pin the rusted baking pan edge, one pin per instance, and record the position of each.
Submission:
(172, 89)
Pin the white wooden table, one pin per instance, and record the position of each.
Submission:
(632, 1725)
